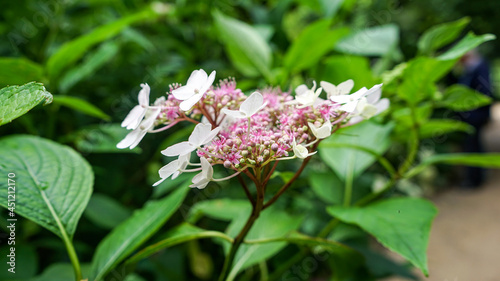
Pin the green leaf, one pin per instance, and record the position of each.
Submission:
(330, 7)
(81, 105)
(221, 209)
(17, 100)
(419, 77)
(462, 98)
(248, 51)
(484, 160)
(180, 234)
(440, 35)
(60, 272)
(90, 65)
(337, 69)
(53, 182)
(438, 127)
(101, 139)
(105, 211)
(272, 223)
(311, 45)
(401, 224)
(16, 71)
(132, 233)
(469, 42)
(304, 240)
(73, 50)
(327, 187)
(366, 134)
(372, 41)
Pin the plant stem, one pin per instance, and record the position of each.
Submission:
(348, 183)
(257, 208)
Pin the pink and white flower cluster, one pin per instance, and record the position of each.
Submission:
(243, 132)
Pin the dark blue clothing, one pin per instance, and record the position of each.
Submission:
(477, 78)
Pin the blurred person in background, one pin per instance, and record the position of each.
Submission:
(476, 75)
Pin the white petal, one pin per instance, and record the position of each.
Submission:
(207, 83)
(341, 99)
(183, 93)
(132, 139)
(252, 104)
(151, 115)
(322, 132)
(345, 87)
(178, 149)
(210, 136)
(200, 184)
(190, 102)
(301, 89)
(197, 78)
(129, 139)
(143, 96)
(373, 94)
(199, 134)
(134, 117)
(382, 105)
(234, 113)
(206, 168)
(350, 106)
(329, 88)
(300, 151)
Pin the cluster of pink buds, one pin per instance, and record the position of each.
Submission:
(243, 132)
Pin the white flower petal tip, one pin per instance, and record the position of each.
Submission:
(197, 85)
(173, 168)
(343, 88)
(306, 97)
(253, 104)
(202, 179)
(135, 116)
(201, 135)
(132, 139)
(300, 151)
(322, 132)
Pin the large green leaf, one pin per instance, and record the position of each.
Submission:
(16, 71)
(462, 98)
(105, 211)
(368, 135)
(128, 236)
(81, 105)
(327, 187)
(73, 50)
(440, 35)
(248, 51)
(272, 223)
(17, 100)
(469, 42)
(485, 160)
(90, 65)
(438, 127)
(182, 233)
(372, 41)
(311, 45)
(401, 224)
(53, 182)
(419, 77)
